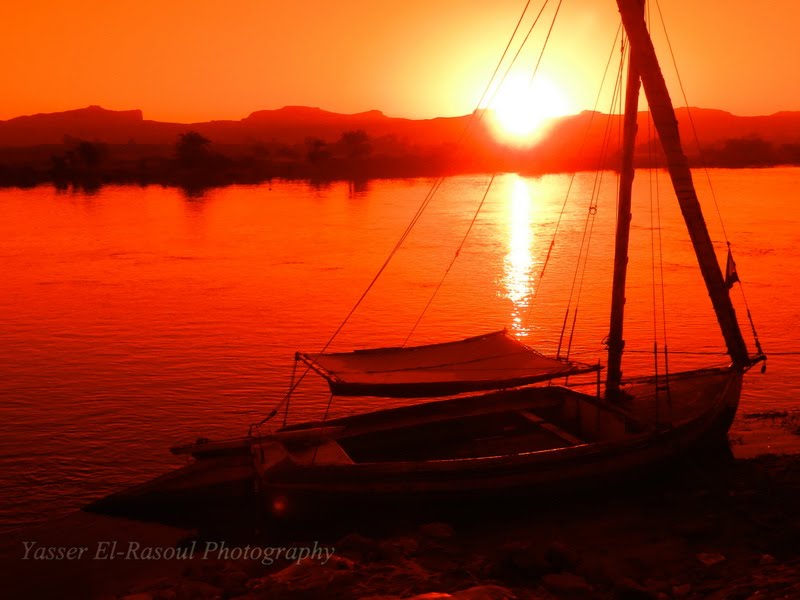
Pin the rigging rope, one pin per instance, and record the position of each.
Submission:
(322, 427)
(661, 266)
(708, 178)
(691, 121)
(505, 153)
(572, 178)
(652, 179)
(291, 385)
(653, 171)
(588, 226)
(420, 210)
(453, 260)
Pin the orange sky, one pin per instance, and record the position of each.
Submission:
(197, 60)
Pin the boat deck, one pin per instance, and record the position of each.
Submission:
(655, 404)
(506, 423)
(496, 434)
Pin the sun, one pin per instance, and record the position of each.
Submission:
(521, 110)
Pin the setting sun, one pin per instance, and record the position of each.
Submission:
(521, 109)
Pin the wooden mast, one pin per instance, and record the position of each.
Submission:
(667, 126)
(615, 342)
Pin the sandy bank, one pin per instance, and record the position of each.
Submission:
(726, 530)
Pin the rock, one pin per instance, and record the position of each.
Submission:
(232, 581)
(766, 559)
(484, 592)
(254, 568)
(151, 586)
(340, 563)
(303, 573)
(561, 556)
(358, 547)
(197, 590)
(437, 563)
(628, 589)
(400, 547)
(201, 572)
(568, 584)
(710, 559)
(138, 596)
(456, 578)
(256, 583)
(192, 572)
(603, 568)
(679, 591)
(437, 531)
(519, 561)
(404, 578)
(657, 585)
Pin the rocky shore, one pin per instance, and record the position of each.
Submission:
(729, 530)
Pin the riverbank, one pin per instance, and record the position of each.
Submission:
(93, 146)
(88, 166)
(714, 530)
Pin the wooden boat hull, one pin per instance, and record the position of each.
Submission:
(206, 486)
(290, 487)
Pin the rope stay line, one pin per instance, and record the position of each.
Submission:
(572, 178)
(714, 353)
(616, 103)
(704, 166)
(655, 170)
(588, 226)
(650, 181)
(453, 260)
(580, 269)
(655, 227)
(476, 114)
(505, 153)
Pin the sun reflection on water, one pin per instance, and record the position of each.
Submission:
(519, 260)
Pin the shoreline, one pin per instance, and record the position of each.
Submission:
(196, 181)
(719, 529)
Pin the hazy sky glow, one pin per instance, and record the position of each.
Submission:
(200, 60)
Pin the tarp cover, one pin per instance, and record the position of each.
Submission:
(492, 361)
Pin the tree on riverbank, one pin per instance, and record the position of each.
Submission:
(356, 144)
(192, 149)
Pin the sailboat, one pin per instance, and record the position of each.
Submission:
(489, 424)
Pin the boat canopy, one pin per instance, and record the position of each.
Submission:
(491, 361)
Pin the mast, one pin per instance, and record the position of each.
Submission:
(667, 126)
(615, 342)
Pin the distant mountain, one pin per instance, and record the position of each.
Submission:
(712, 126)
(293, 124)
(93, 122)
(574, 142)
(93, 146)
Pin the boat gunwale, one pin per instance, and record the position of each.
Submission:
(551, 455)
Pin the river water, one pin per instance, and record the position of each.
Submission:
(135, 318)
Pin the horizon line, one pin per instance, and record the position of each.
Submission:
(359, 113)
